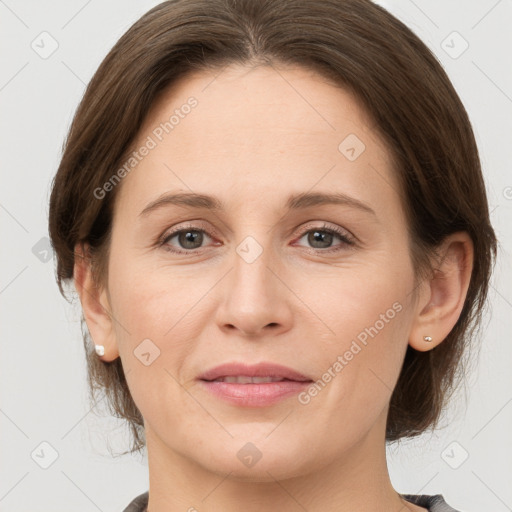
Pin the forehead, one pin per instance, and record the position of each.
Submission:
(263, 129)
(263, 100)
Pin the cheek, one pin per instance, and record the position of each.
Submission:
(159, 319)
(153, 303)
(361, 303)
(155, 329)
(369, 316)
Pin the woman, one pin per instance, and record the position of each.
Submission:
(275, 218)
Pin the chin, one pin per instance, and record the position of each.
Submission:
(253, 461)
(261, 472)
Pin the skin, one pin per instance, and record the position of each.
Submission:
(256, 136)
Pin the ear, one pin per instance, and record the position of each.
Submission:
(95, 304)
(442, 298)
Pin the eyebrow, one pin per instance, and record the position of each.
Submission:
(294, 202)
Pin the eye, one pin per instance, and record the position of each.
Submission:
(322, 238)
(188, 239)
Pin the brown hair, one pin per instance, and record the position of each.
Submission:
(354, 43)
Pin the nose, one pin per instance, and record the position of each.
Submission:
(256, 300)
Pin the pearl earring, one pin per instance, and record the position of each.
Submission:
(428, 339)
(100, 350)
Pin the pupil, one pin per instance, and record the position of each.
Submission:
(190, 237)
(320, 236)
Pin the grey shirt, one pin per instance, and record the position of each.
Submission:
(433, 503)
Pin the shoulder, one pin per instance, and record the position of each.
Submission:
(138, 504)
(434, 503)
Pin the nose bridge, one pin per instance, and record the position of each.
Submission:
(251, 277)
(253, 253)
(253, 299)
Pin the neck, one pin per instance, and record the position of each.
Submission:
(359, 480)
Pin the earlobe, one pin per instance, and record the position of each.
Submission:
(444, 295)
(95, 305)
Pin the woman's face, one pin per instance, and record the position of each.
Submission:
(263, 278)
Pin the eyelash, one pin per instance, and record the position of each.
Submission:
(348, 241)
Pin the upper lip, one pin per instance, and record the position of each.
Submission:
(255, 370)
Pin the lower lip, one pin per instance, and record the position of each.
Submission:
(255, 395)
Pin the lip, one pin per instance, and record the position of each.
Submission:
(255, 370)
(254, 395)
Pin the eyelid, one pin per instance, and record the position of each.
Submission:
(192, 225)
(346, 237)
(348, 240)
(328, 227)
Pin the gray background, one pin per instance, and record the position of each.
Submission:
(43, 393)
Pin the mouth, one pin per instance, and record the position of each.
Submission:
(259, 385)
(244, 379)
(244, 373)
